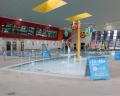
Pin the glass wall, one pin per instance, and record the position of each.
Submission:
(111, 37)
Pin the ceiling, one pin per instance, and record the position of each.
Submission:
(103, 11)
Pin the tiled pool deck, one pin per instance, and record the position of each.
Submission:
(28, 84)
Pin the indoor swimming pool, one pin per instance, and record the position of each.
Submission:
(66, 65)
(61, 66)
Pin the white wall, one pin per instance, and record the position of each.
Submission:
(37, 44)
(1, 43)
(30, 44)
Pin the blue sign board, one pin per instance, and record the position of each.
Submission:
(117, 56)
(98, 68)
(46, 54)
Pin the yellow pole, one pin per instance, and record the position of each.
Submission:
(78, 42)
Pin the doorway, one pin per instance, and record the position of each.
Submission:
(82, 46)
(8, 46)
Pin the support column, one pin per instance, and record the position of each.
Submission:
(78, 43)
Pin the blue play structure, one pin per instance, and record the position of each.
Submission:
(117, 56)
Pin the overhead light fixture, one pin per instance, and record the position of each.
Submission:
(49, 5)
(20, 19)
(49, 25)
(79, 17)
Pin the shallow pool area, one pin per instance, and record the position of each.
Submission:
(59, 66)
(65, 64)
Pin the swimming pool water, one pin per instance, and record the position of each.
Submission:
(55, 66)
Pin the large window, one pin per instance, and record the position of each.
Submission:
(105, 35)
(14, 29)
(6, 28)
(112, 37)
(26, 30)
(93, 36)
(39, 32)
(46, 33)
